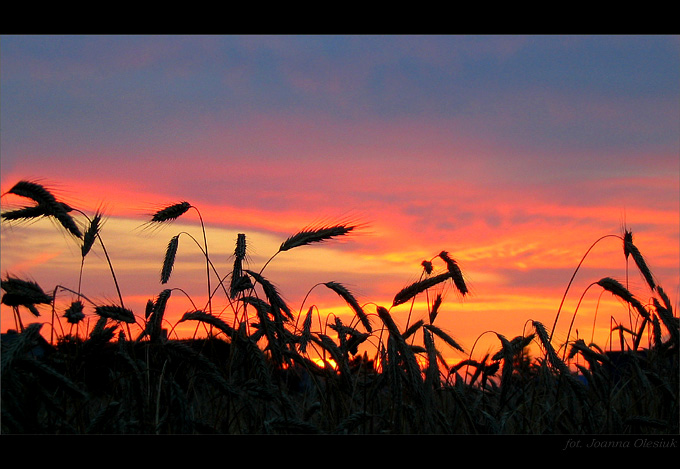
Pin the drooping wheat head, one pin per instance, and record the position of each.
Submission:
(507, 354)
(209, 319)
(117, 313)
(47, 205)
(547, 346)
(169, 259)
(271, 292)
(630, 249)
(405, 352)
(444, 336)
(420, 286)
(20, 292)
(351, 301)
(455, 272)
(615, 288)
(412, 329)
(668, 319)
(74, 313)
(28, 213)
(24, 293)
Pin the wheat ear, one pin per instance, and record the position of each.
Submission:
(209, 319)
(47, 202)
(169, 259)
(272, 294)
(629, 249)
(415, 288)
(616, 289)
(117, 313)
(455, 272)
(351, 300)
(444, 336)
(315, 235)
(20, 292)
(170, 212)
(91, 233)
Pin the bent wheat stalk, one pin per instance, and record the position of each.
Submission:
(312, 235)
(415, 288)
(631, 250)
(571, 280)
(315, 235)
(47, 203)
(455, 272)
(169, 259)
(169, 214)
(351, 301)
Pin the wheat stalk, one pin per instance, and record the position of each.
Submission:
(306, 334)
(169, 259)
(27, 213)
(413, 328)
(590, 355)
(573, 275)
(507, 353)
(415, 288)
(415, 378)
(20, 292)
(434, 310)
(311, 235)
(550, 351)
(93, 229)
(270, 329)
(630, 249)
(271, 292)
(13, 350)
(74, 313)
(315, 235)
(209, 319)
(670, 321)
(170, 213)
(456, 273)
(616, 289)
(154, 323)
(47, 202)
(432, 370)
(117, 313)
(427, 267)
(444, 336)
(351, 300)
(238, 280)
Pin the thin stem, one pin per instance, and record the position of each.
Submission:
(574, 275)
(564, 354)
(207, 259)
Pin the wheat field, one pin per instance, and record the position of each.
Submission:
(258, 366)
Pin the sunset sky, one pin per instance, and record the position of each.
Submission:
(512, 153)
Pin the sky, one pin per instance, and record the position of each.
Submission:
(512, 153)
